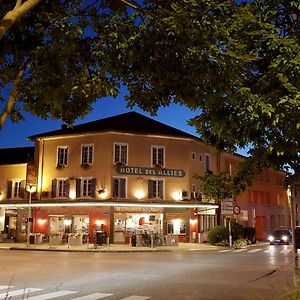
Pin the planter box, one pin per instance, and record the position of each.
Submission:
(75, 241)
(55, 241)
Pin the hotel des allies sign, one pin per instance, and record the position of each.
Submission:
(127, 170)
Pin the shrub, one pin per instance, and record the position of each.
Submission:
(250, 234)
(218, 234)
(237, 231)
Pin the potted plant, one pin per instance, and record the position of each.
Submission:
(55, 239)
(75, 239)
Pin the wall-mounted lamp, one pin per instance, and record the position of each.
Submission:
(139, 194)
(99, 222)
(41, 221)
(102, 193)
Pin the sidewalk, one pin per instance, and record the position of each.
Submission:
(108, 248)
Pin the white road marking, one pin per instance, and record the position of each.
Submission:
(95, 296)
(285, 251)
(135, 298)
(267, 251)
(225, 250)
(194, 249)
(5, 287)
(24, 292)
(254, 250)
(52, 295)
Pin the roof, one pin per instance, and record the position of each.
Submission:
(130, 122)
(21, 155)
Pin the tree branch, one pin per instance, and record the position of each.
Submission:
(13, 15)
(11, 100)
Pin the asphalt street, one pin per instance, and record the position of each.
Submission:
(260, 272)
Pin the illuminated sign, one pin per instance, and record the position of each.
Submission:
(127, 170)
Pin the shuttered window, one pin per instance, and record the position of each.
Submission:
(60, 188)
(62, 156)
(87, 152)
(120, 153)
(158, 153)
(119, 187)
(155, 189)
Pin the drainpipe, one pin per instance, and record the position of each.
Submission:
(42, 166)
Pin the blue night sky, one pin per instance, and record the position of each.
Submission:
(15, 134)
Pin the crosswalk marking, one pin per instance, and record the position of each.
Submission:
(18, 292)
(135, 298)
(225, 250)
(254, 250)
(5, 287)
(52, 295)
(95, 296)
(266, 251)
(285, 251)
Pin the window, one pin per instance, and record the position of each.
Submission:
(207, 165)
(87, 152)
(85, 187)
(62, 156)
(16, 189)
(272, 221)
(176, 228)
(120, 154)
(155, 189)
(158, 155)
(60, 188)
(119, 187)
(193, 155)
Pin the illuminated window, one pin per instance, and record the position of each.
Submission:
(119, 187)
(155, 189)
(87, 152)
(120, 153)
(62, 156)
(176, 228)
(158, 155)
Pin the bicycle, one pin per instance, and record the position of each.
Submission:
(146, 240)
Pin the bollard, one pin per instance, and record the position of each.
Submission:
(151, 241)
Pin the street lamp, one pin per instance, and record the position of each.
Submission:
(30, 189)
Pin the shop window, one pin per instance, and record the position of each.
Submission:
(60, 188)
(207, 163)
(158, 153)
(16, 189)
(87, 153)
(85, 187)
(62, 156)
(178, 228)
(119, 187)
(120, 153)
(155, 189)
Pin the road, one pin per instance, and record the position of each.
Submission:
(259, 272)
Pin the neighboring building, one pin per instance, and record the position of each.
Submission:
(129, 173)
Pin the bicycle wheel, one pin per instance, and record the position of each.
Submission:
(158, 241)
(145, 242)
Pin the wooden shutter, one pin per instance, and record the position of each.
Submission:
(9, 189)
(78, 188)
(22, 189)
(66, 188)
(93, 188)
(150, 189)
(160, 189)
(53, 190)
(117, 153)
(122, 188)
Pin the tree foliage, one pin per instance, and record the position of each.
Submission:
(238, 63)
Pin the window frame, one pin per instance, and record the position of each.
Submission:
(207, 155)
(119, 160)
(89, 162)
(64, 158)
(119, 178)
(20, 187)
(156, 147)
(64, 186)
(82, 179)
(157, 187)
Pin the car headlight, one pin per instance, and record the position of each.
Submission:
(284, 238)
(271, 238)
